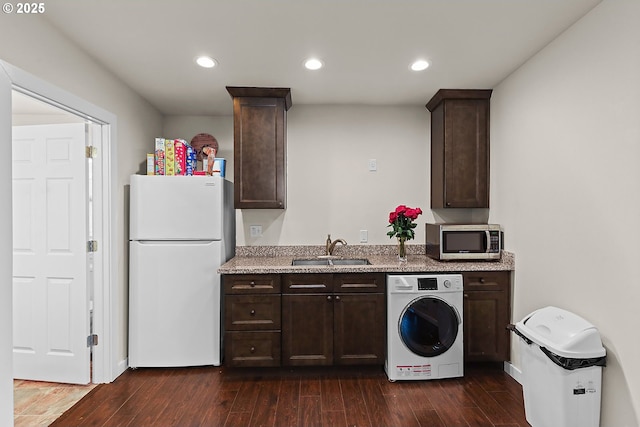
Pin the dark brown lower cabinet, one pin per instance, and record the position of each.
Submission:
(252, 319)
(359, 329)
(308, 330)
(487, 312)
(334, 319)
(340, 319)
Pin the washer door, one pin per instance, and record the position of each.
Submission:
(429, 326)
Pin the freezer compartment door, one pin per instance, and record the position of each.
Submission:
(176, 207)
(174, 304)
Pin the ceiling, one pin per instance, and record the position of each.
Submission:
(366, 45)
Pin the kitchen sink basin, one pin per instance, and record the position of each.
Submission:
(337, 261)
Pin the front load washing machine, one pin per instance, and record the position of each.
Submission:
(424, 326)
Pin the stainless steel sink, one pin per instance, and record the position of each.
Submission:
(350, 261)
(337, 261)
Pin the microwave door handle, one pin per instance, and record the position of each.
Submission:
(487, 241)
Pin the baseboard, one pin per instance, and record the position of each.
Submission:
(122, 366)
(514, 372)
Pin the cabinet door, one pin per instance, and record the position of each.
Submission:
(259, 152)
(466, 154)
(486, 314)
(359, 329)
(307, 329)
(460, 148)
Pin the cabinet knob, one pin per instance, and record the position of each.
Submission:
(466, 295)
(448, 204)
(252, 284)
(328, 297)
(252, 312)
(482, 280)
(337, 297)
(252, 349)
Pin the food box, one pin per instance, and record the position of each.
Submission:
(180, 148)
(159, 156)
(169, 157)
(151, 167)
(192, 160)
(219, 167)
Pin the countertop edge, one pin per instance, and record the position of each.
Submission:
(379, 264)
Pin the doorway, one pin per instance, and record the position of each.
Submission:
(52, 178)
(107, 362)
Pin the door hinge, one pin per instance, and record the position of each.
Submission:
(92, 246)
(92, 340)
(91, 152)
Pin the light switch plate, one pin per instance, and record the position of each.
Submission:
(364, 236)
(373, 165)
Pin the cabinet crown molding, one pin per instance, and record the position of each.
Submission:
(262, 92)
(443, 94)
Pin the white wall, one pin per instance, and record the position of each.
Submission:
(565, 137)
(329, 186)
(31, 44)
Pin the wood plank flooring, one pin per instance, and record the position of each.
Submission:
(331, 397)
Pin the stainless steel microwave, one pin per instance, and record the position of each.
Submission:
(455, 242)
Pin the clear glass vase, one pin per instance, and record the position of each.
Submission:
(402, 249)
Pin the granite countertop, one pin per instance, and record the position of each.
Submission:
(278, 259)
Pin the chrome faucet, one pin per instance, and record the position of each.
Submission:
(330, 246)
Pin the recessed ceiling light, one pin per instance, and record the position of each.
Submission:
(313, 64)
(420, 65)
(206, 61)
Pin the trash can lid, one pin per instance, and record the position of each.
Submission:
(563, 333)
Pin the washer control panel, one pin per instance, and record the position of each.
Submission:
(424, 283)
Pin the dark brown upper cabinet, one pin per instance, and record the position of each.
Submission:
(260, 146)
(460, 148)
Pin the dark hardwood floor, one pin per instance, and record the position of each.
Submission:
(335, 397)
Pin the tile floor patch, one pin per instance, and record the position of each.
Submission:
(38, 403)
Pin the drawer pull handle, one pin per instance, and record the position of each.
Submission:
(309, 286)
(252, 312)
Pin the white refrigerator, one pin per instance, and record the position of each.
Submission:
(181, 229)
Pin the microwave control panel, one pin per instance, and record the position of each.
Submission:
(494, 244)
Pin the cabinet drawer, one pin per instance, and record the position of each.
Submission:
(251, 283)
(252, 312)
(307, 283)
(486, 280)
(260, 348)
(359, 282)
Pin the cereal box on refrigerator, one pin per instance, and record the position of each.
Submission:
(151, 164)
(159, 156)
(169, 157)
(192, 161)
(180, 147)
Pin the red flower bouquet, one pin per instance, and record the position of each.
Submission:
(401, 222)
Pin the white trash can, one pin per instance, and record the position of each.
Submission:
(562, 359)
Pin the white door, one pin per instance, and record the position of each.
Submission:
(50, 292)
